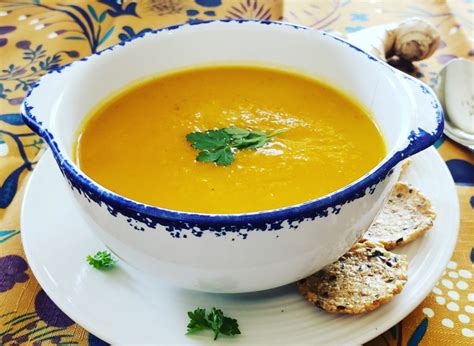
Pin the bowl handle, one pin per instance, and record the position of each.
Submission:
(428, 123)
(38, 105)
(37, 125)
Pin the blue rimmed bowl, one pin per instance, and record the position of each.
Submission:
(235, 252)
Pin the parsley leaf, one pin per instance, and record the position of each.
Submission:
(219, 146)
(215, 320)
(208, 140)
(235, 131)
(101, 260)
(226, 157)
(197, 320)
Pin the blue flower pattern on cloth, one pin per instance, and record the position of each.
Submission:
(44, 326)
(462, 171)
(12, 271)
(359, 17)
(209, 3)
(350, 29)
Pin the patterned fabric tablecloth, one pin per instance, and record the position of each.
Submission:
(36, 36)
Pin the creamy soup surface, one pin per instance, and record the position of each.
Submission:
(135, 143)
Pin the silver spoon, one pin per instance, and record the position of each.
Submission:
(455, 89)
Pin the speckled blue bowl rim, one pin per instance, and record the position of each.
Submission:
(417, 142)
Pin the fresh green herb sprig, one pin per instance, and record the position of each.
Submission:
(101, 260)
(220, 145)
(214, 320)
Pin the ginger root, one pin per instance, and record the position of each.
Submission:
(410, 40)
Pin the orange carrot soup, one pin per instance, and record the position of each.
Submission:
(228, 139)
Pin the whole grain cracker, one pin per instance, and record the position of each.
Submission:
(366, 277)
(404, 168)
(406, 216)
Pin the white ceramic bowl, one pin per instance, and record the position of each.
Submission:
(238, 252)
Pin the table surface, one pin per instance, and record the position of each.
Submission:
(39, 35)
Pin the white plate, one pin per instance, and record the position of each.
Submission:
(126, 306)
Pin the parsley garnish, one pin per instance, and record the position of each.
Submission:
(101, 260)
(220, 145)
(215, 320)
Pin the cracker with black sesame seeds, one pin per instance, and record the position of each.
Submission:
(406, 216)
(366, 277)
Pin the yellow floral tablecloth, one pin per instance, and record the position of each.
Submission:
(36, 36)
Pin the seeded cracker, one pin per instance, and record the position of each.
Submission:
(366, 277)
(406, 215)
(404, 168)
